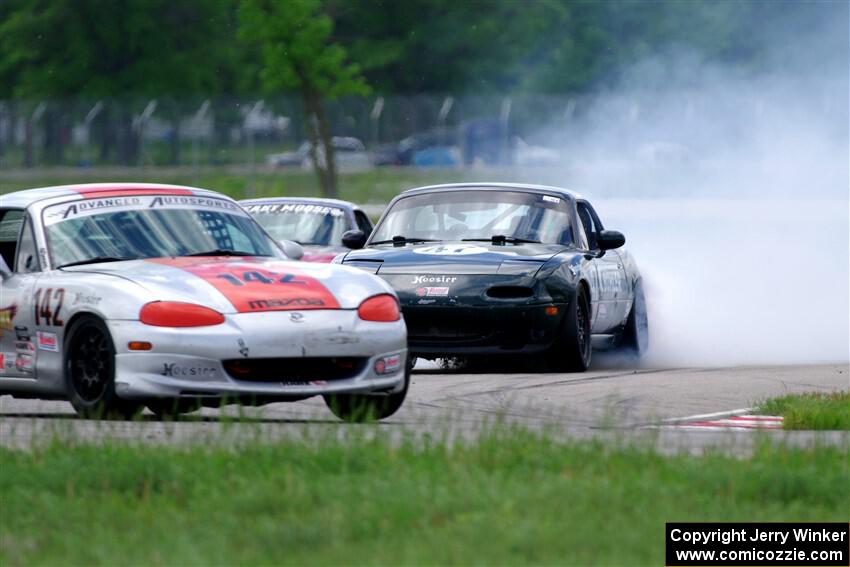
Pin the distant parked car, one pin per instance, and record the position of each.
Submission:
(349, 153)
(444, 140)
(289, 159)
(318, 225)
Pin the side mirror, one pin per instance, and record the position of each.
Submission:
(354, 239)
(292, 249)
(610, 239)
(5, 272)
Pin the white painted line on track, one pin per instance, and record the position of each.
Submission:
(705, 416)
(733, 422)
(711, 428)
(738, 419)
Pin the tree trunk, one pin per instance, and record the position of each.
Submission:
(318, 131)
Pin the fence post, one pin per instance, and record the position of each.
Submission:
(141, 121)
(448, 103)
(196, 134)
(375, 117)
(29, 143)
(90, 116)
(504, 119)
(250, 127)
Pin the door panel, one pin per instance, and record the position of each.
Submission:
(605, 269)
(615, 288)
(17, 333)
(598, 308)
(17, 343)
(613, 277)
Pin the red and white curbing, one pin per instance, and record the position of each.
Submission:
(729, 420)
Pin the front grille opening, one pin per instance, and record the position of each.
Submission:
(294, 369)
(509, 292)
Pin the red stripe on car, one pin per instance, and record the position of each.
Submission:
(254, 287)
(98, 193)
(320, 258)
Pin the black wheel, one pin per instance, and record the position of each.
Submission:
(90, 372)
(171, 409)
(636, 331)
(571, 351)
(358, 408)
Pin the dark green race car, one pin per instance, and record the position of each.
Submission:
(502, 269)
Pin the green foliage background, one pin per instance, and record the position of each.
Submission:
(101, 48)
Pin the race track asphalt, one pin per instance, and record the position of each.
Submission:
(612, 401)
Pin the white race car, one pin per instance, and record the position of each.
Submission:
(117, 296)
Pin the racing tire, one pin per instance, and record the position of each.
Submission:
(89, 368)
(360, 408)
(172, 409)
(636, 332)
(571, 351)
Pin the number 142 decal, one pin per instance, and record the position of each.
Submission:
(255, 276)
(48, 306)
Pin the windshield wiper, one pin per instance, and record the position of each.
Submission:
(96, 260)
(401, 240)
(502, 239)
(222, 252)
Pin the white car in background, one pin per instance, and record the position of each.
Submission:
(320, 226)
(117, 296)
(350, 153)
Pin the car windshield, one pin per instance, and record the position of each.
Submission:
(151, 226)
(305, 223)
(478, 214)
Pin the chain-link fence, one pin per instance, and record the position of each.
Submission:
(404, 130)
(201, 132)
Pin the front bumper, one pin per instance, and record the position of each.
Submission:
(198, 362)
(437, 331)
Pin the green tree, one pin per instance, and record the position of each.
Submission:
(115, 49)
(414, 46)
(561, 46)
(295, 37)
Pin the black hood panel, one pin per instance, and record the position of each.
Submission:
(458, 258)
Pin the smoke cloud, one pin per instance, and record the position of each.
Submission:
(732, 190)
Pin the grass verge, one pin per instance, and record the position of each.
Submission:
(810, 411)
(509, 497)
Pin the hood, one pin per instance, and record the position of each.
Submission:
(455, 258)
(245, 285)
